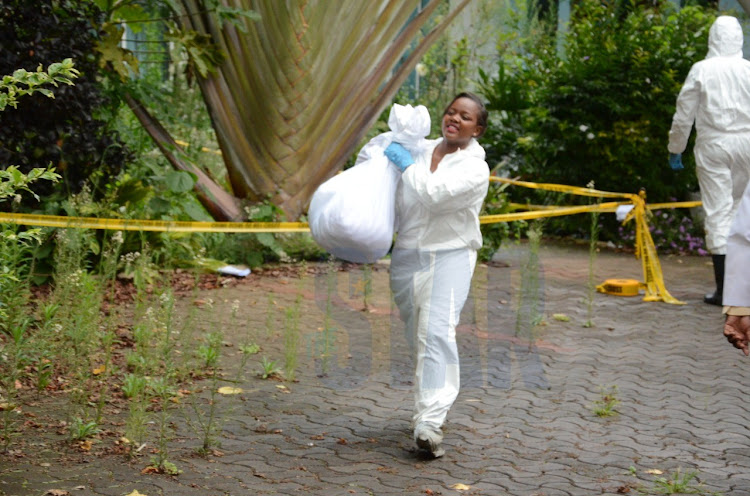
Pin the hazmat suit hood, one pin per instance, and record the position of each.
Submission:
(725, 38)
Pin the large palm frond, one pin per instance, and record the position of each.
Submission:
(299, 89)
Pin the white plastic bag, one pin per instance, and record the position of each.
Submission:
(352, 215)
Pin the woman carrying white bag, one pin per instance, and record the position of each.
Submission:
(438, 202)
(352, 215)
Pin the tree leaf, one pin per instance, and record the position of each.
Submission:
(179, 181)
(195, 211)
(267, 239)
(94, 246)
(229, 390)
(159, 205)
(122, 61)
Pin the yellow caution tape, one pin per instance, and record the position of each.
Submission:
(551, 212)
(650, 206)
(686, 204)
(185, 144)
(645, 249)
(151, 225)
(644, 244)
(563, 188)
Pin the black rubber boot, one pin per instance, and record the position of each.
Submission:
(716, 297)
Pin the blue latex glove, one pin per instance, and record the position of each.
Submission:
(399, 155)
(675, 161)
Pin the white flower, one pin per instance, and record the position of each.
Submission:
(421, 70)
(590, 136)
(583, 128)
(130, 257)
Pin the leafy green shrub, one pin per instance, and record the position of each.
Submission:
(599, 109)
(67, 132)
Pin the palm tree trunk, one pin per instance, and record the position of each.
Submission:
(220, 204)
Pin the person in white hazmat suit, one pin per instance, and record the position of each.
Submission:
(437, 208)
(716, 96)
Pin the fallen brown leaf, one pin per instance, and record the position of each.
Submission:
(229, 390)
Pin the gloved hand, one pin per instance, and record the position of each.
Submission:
(399, 155)
(675, 161)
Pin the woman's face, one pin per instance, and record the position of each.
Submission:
(460, 122)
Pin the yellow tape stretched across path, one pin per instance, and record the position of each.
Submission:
(535, 212)
(151, 225)
(645, 249)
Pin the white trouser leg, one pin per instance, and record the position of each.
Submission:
(430, 289)
(715, 180)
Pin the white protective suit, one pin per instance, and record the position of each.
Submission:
(432, 263)
(736, 281)
(716, 96)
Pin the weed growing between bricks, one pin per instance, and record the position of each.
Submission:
(606, 405)
(591, 282)
(529, 316)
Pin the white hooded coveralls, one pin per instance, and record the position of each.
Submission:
(716, 96)
(432, 264)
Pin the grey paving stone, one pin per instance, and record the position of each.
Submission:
(523, 423)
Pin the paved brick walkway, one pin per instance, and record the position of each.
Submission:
(523, 423)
